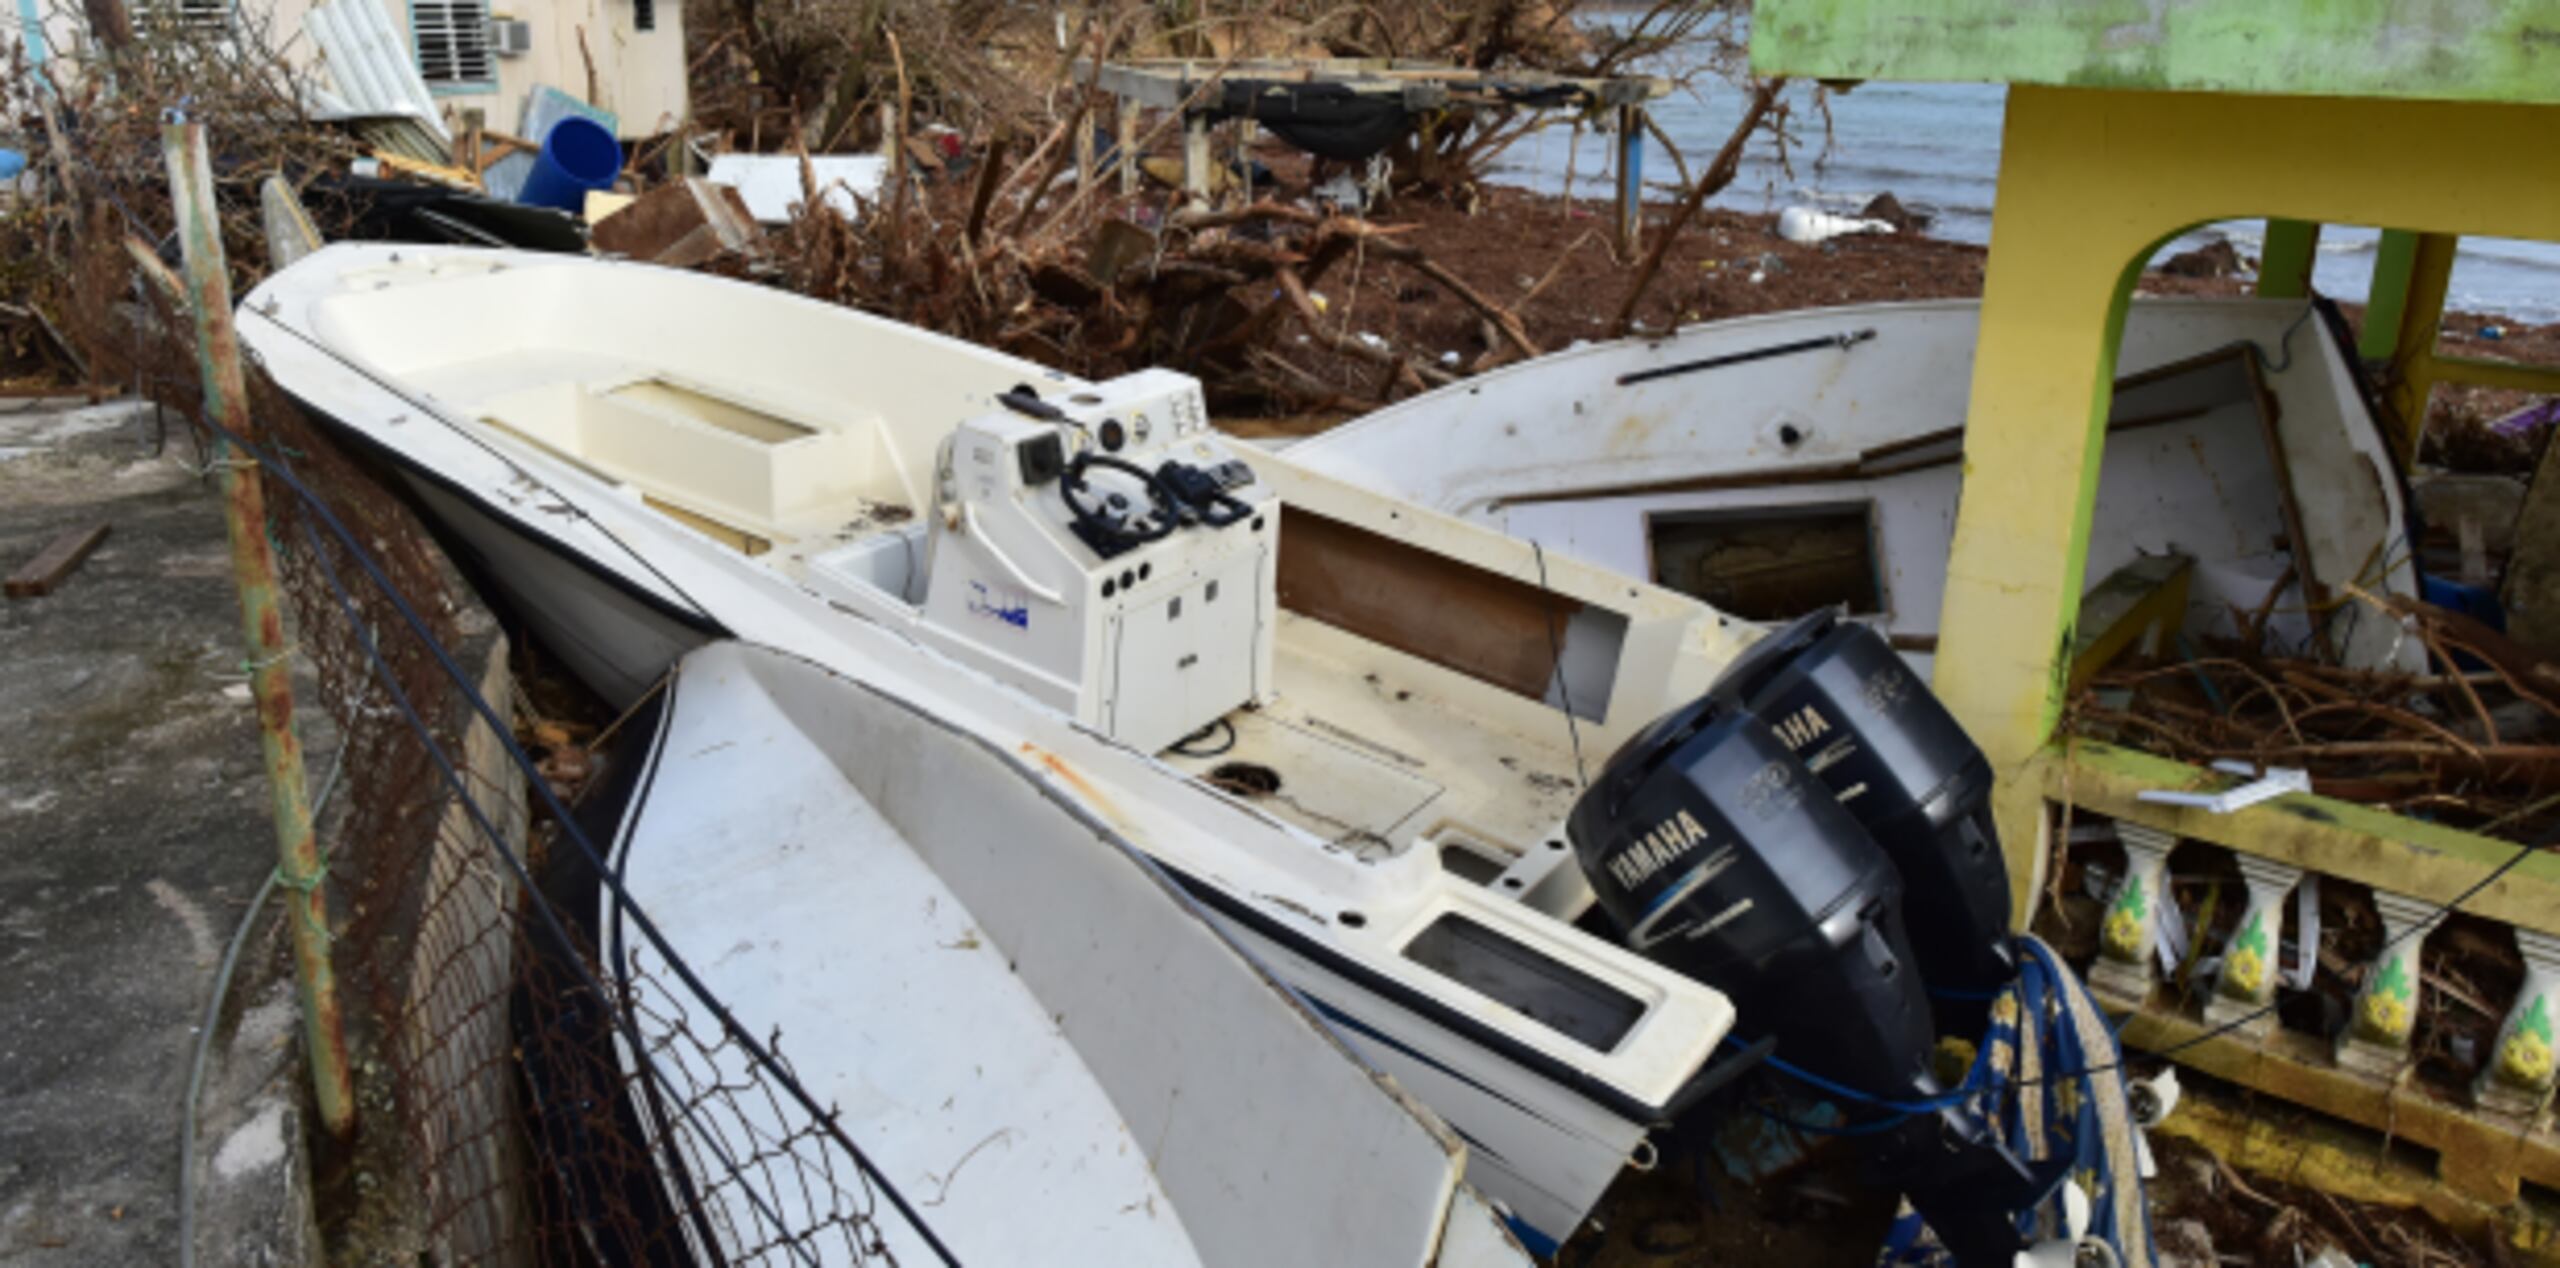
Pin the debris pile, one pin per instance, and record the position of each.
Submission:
(2473, 743)
(933, 161)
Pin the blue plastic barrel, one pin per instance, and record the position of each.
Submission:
(578, 155)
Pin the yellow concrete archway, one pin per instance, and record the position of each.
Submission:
(2091, 181)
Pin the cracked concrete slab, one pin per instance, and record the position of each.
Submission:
(133, 832)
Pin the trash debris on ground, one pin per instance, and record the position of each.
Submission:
(775, 186)
(1809, 226)
(682, 224)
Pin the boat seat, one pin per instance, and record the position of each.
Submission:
(754, 470)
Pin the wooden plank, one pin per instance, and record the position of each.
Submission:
(92, 393)
(1487, 626)
(2134, 602)
(2479, 1156)
(56, 561)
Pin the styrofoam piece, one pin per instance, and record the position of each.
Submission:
(771, 182)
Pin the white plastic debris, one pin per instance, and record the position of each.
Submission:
(2152, 1100)
(770, 183)
(1373, 341)
(1449, 359)
(1342, 191)
(2075, 1248)
(2276, 782)
(1806, 226)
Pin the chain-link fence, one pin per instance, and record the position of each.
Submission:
(526, 1101)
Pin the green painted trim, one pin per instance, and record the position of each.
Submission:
(2075, 542)
(482, 89)
(2427, 861)
(2395, 261)
(2284, 265)
(2425, 49)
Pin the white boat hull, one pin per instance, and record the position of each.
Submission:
(1043, 1083)
(641, 460)
(1544, 1155)
(1857, 411)
(619, 644)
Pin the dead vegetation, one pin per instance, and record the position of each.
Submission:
(1007, 243)
(987, 228)
(2473, 743)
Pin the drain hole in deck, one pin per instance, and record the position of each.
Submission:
(1246, 779)
(1471, 865)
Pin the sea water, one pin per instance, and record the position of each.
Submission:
(1936, 148)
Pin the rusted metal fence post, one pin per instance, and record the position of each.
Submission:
(208, 293)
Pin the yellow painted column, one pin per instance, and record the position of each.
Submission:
(2091, 180)
(2288, 258)
(2413, 348)
(2052, 314)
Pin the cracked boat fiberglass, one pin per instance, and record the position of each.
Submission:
(1350, 726)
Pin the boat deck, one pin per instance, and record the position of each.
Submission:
(1367, 748)
(1370, 755)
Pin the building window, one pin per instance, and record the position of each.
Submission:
(452, 38)
(644, 15)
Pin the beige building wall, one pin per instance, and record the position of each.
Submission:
(638, 75)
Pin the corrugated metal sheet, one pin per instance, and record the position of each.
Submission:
(369, 64)
(404, 135)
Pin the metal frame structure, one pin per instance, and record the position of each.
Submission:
(1422, 87)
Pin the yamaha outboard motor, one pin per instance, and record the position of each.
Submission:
(1849, 706)
(1718, 853)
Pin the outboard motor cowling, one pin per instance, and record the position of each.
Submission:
(1718, 854)
(1849, 706)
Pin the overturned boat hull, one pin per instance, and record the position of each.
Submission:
(1779, 463)
(1035, 1037)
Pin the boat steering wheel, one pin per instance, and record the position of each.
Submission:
(1109, 526)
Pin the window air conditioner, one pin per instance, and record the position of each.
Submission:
(509, 37)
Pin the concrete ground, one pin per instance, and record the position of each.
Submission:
(133, 831)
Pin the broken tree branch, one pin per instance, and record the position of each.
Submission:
(1718, 175)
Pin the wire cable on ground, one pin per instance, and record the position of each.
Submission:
(213, 1015)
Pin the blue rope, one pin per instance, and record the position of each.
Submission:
(1872, 1128)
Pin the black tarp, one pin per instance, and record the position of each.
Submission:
(1326, 120)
